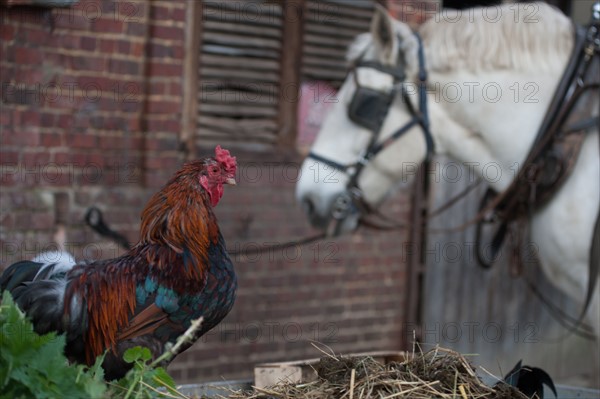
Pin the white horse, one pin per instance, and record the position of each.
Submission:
(492, 74)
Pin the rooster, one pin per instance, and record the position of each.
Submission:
(177, 272)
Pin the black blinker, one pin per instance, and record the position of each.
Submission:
(369, 108)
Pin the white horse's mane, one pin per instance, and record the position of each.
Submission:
(522, 37)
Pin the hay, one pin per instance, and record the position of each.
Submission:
(439, 373)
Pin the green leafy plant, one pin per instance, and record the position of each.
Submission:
(144, 380)
(34, 366)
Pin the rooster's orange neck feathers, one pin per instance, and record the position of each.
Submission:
(180, 217)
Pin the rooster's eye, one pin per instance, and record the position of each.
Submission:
(214, 169)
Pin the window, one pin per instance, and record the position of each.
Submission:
(251, 59)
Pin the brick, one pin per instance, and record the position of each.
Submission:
(106, 25)
(123, 46)
(7, 221)
(30, 118)
(131, 106)
(64, 41)
(28, 56)
(88, 43)
(65, 122)
(157, 88)
(133, 124)
(47, 119)
(41, 220)
(131, 11)
(124, 67)
(175, 89)
(160, 51)
(163, 107)
(137, 49)
(107, 45)
(82, 140)
(136, 29)
(87, 63)
(51, 140)
(70, 158)
(178, 52)
(166, 32)
(71, 21)
(178, 14)
(111, 142)
(38, 159)
(26, 137)
(162, 163)
(158, 68)
(107, 85)
(97, 159)
(160, 13)
(7, 32)
(9, 157)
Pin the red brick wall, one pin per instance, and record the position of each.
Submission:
(91, 115)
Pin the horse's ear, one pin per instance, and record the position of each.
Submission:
(384, 35)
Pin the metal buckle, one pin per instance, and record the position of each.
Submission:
(341, 206)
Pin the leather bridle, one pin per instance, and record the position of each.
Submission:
(369, 108)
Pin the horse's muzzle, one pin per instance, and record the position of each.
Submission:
(341, 218)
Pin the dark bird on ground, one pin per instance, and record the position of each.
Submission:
(179, 271)
(529, 380)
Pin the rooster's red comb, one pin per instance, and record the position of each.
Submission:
(224, 158)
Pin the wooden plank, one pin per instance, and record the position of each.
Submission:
(218, 135)
(291, 61)
(324, 73)
(247, 62)
(244, 29)
(235, 40)
(329, 12)
(416, 264)
(323, 62)
(246, 130)
(245, 9)
(262, 21)
(193, 33)
(252, 88)
(334, 31)
(238, 110)
(316, 50)
(258, 147)
(215, 133)
(238, 73)
(354, 3)
(233, 96)
(238, 124)
(240, 51)
(327, 41)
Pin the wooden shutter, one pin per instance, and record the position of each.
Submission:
(330, 27)
(239, 73)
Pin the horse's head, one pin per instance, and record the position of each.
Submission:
(373, 135)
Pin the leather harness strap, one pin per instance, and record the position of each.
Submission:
(528, 191)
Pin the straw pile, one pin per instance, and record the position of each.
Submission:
(439, 373)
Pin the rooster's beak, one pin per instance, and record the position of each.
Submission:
(230, 181)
